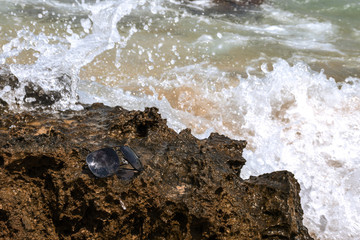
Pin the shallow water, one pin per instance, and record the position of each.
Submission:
(284, 76)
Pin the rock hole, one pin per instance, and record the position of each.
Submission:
(49, 184)
(219, 191)
(226, 217)
(3, 103)
(2, 162)
(64, 226)
(194, 181)
(198, 227)
(170, 203)
(93, 219)
(114, 216)
(136, 221)
(229, 178)
(143, 184)
(213, 237)
(110, 199)
(181, 218)
(234, 163)
(76, 194)
(4, 215)
(142, 130)
(273, 213)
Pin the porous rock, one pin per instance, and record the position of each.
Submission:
(189, 189)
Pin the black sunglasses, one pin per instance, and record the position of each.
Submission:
(105, 162)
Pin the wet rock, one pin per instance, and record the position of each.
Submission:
(35, 95)
(233, 9)
(189, 189)
(7, 78)
(30, 94)
(239, 3)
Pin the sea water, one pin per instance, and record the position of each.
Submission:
(284, 76)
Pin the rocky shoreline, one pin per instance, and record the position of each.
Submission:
(190, 188)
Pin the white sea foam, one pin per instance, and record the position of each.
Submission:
(307, 125)
(293, 118)
(60, 56)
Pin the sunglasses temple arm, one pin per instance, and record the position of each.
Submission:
(119, 146)
(129, 169)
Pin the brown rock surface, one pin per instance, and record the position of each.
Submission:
(190, 188)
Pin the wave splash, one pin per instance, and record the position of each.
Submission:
(293, 119)
(49, 79)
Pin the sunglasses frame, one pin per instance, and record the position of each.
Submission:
(109, 156)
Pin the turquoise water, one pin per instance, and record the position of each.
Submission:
(283, 75)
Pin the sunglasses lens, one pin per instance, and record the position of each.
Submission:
(132, 158)
(103, 162)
